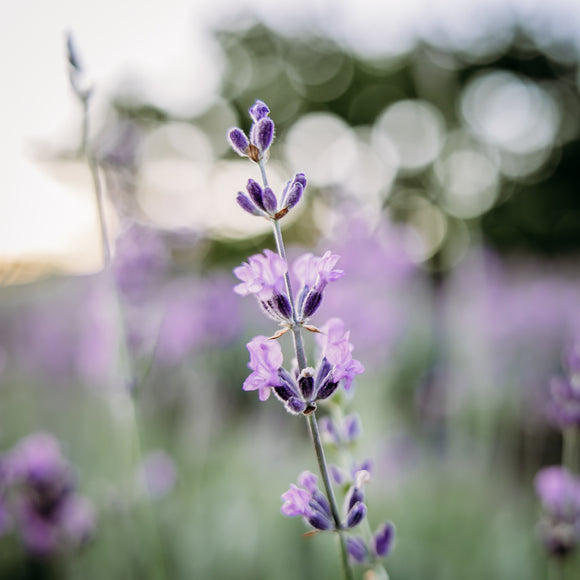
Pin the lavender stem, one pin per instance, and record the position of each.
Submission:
(311, 418)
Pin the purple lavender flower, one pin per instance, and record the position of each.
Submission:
(157, 474)
(261, 134)
(337, 350)
(47, 512)
(559, 493)
(310, 503)
(314, 273)
(265, 360)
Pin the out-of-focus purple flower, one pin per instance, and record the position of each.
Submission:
(140, 262)
(357, 549)
(45, 509)
(564, 404)
(265, 360)
(384, 539)
(559, 493)
(36, 463)
(158, 474)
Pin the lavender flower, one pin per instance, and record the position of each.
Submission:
(265, 360)
(45, 508)
(308, 503)
(559, 493)
(261, 134)
(383, 540)
(266, 276)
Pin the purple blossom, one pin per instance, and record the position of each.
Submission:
(564, 404)
(316, 272)
(559, 493)
(337, 350)
(296, 502)
(308, 502)
(157, 474)
(45, 509)
(265, 360)
(262, 275)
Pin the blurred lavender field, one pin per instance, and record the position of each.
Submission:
(442, 168)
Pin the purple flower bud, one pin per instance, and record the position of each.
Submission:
(356, 515)
(248, 205)
(320, 504)
(293, 196)
(311, 303)
(269, 200)
(338, 475)
(256, 193)
(328, 430)
(258, 110)
(357, 549)
(295, 405)
(262, 134)
(282, 306)
(384, 539)
(354, 496)
(326, 390)
(320, 522)
(306, 383)
(308, 480)
(352, 427)
(238, 141)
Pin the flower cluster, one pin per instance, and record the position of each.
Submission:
(267, 276)
(559, 493)
(300, 391)
(38, 499)
(264, 275)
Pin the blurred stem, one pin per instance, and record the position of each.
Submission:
(571, 449)
(556, 568)
(315, 435)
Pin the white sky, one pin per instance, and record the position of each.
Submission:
(164, 48)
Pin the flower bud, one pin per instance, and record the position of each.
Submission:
(255, 191)
(295, 405)
(357, 549)
(262, 134)
(238, 141)
(384, 539)
(352, 427)
(311, 303)
(258, 110)
(306, 383)
(248, 205)
(269, 200)
(356, 515)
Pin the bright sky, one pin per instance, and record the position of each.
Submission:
(164, 48)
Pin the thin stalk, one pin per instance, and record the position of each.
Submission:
(127, 366)
(315, 435)
(94, 170)
(571, 449)
(311, 418)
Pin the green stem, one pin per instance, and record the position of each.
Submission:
(310, 418)
(571, 449)
(317, 442)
